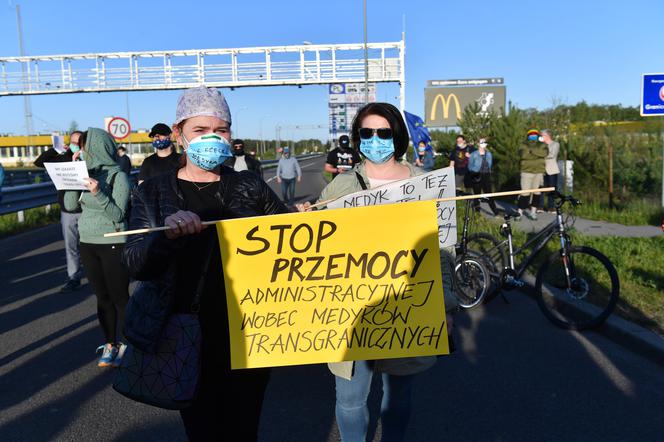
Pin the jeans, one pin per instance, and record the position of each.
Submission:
(69, 223)
(288, 189)
(353, 414)
(550, 181)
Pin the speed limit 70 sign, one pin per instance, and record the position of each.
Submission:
(119, 128)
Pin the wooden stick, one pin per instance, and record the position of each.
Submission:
(467, 197)
(149, 230)
(451, 198)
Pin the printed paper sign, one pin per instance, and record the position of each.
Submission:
(58, 143)
(68, 176)
(334, 285)
(433, 185)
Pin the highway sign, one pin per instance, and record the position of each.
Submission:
(652, 95)
(119, 128)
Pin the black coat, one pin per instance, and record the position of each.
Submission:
(151, 257)
(252, 164)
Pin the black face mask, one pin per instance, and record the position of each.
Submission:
(238, 152)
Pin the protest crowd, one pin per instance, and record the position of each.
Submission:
(199, 174)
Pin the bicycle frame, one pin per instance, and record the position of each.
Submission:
(540, 239)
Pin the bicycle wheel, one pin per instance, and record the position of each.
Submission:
(578, 291)
(489, 248)
(492, 252)
(471, 281)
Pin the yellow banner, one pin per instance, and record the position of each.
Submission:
(337, 285)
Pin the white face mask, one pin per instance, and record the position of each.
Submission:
(483, 145)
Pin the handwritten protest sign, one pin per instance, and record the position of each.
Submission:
(334, 285)
(68, 176)
(432, 185)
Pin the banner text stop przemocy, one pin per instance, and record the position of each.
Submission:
(336, 285)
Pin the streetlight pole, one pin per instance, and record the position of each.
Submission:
(366, 58)
(26, 98)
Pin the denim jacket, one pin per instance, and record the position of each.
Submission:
(475, 161)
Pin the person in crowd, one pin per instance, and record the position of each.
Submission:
(459, 157)
(382, 136)
(170, 262)
(480, 164)
(165, 159)
(288, 170)
(241, 161)
(68, 218)
(104, 210)
(123, 160)
(341, 158)
(551, 167)
(531, 156)
(424, 158)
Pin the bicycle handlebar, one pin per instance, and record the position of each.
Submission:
(567, 199)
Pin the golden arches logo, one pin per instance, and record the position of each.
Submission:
(446, 106)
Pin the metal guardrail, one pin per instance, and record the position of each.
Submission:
(28, 196)
(25, 177)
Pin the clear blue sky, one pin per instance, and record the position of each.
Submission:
(593, 50)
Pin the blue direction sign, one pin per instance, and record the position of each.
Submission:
(652, 95)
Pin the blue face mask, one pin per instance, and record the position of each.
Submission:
(377, 150)
(208, 151)
(74, 147)
(161, 144)
(532, 137)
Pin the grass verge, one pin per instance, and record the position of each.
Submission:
(631, 212)
(36, 217)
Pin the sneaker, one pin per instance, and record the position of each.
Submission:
(118, 358)
(109, 351)
(530, 215)
(70, 286)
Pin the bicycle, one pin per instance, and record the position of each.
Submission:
(471, 279)
(577, 287)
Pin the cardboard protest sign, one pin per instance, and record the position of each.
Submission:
(334, 285)
(433, 185)
(69, 175)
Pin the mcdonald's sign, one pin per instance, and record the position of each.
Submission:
(444, 106)
(440, 98)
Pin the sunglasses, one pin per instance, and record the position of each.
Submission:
(383, 133)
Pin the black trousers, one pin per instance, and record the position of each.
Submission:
(110, 281)
(550, 181)
(228, 405)
(484, 186)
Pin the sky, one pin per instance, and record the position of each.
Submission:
(563, 51)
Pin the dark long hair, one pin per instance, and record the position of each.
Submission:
(393, 117)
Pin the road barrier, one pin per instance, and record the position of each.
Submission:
(18, 198)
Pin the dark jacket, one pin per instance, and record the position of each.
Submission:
(252, 164)
(151, 257)
(52, 156)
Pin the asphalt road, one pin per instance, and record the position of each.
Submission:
(514, 377)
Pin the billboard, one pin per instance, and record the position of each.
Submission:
(444, 105)
(344, 100)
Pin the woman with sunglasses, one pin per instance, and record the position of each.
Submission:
(381, 134)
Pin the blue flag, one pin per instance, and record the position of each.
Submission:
(418, 131)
